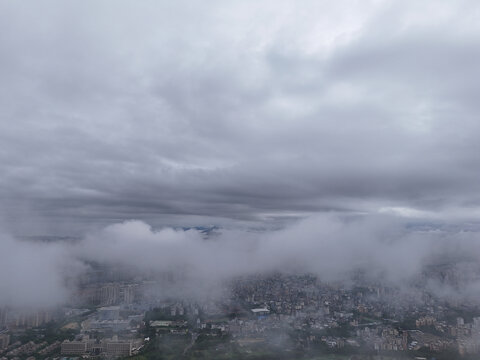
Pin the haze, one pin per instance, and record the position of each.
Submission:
(318, 136)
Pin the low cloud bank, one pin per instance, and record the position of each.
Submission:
(379, 247)
(36, 273)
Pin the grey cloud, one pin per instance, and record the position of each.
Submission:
(206, 112)
(333, 247)
(36, 274)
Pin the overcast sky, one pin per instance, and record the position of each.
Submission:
(237, 112)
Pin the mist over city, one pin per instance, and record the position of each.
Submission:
(239, 180)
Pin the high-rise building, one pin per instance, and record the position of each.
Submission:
(3, 317)
(127, 294)
(4, 341)
(109, 294)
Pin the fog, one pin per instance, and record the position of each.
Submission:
(338, 138)
(35, 274)
(382, 248)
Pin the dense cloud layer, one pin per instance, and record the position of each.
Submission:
(35, 273)
(192, 113)
(360, 117)
(334, 248)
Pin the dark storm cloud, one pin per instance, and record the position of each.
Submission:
(212, 112)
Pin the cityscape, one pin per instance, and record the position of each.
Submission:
(239, 180)
(263, 316)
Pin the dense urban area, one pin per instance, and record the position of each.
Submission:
(274, 316)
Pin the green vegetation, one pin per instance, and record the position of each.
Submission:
(49, 333)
